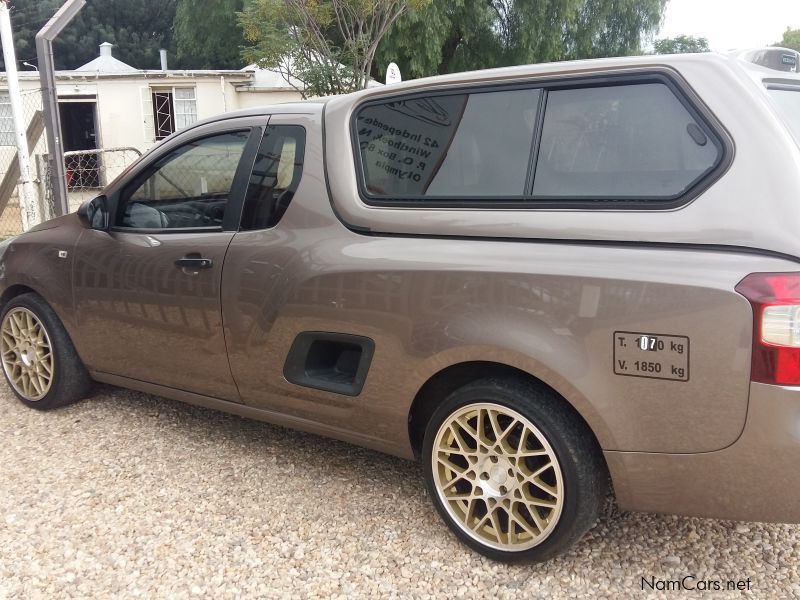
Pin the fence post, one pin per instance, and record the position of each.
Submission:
(47, 74)
(29, 203)
(43, 175)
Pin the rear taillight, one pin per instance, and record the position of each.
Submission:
(776, 326)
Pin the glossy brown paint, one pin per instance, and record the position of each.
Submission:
(552, 311)
(141, 316)
(545, 306)
(753, 480)
(32, 261)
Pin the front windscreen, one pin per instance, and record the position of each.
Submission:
(787, 102)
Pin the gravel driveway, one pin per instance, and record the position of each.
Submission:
(131, 495)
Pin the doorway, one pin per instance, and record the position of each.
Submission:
(79, 134)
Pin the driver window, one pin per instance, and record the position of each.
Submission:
(188, 188)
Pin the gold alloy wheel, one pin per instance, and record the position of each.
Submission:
(497, 477)
(26, 353)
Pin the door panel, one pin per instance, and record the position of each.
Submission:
(148, 290)
(143, 316)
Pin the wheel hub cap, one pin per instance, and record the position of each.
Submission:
(498, 477)
(26, 353)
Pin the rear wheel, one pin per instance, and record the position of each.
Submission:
(512, 470)
(39, 361)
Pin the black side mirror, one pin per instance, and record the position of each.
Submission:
(94, 213)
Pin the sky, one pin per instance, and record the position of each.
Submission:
(731, 24)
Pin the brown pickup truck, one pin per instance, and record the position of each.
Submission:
(536, 280)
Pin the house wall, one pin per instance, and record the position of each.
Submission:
(120, 111)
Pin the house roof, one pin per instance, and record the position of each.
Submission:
(273, 80)
(267, 79)
(106, 63)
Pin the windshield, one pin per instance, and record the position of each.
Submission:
(788, 104)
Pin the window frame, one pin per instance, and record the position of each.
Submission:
(233, 210)
(295, 183)
(150, 105)
(710, 125)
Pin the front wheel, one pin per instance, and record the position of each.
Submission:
(513, 470)
(39, 361)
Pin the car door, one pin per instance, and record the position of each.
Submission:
(263, 262)
(147, 290)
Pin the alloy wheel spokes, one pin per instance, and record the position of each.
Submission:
(498, 476)
(26, 353)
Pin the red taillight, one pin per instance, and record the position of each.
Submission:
(776, 326)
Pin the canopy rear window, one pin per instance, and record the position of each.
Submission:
(787, 101)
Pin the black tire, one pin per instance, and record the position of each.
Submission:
(584, 476)
(70, 381)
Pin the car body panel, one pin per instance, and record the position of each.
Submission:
(141, 316)
(753, 480)
(551, 311)
(32, 260)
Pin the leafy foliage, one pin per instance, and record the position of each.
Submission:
(613, 27)
(791, 39)
(321, 47)
(682, 44)
(472, 34)
(138, 29)
(207, 34)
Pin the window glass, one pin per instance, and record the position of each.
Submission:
(276, 175)
(6, 122)
(788, 104)
(459, 146)
(185, 108)
(190, 187)
(628, 141)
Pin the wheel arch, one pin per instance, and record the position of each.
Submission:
(13, 291)
(445, 381)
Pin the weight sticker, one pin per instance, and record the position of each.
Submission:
(651, 355)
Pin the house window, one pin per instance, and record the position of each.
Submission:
(185, 107)
(6, 121)
(174, 109)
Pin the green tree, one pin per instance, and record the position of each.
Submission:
(321, 47)
(207, 34)
(138, 29)
(473, 34)
(791, 39)
(682, 44)
(613, 27)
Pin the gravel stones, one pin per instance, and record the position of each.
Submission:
(129, 495)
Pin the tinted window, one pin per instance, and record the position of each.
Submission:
(630, 141)
(788, 105)
(462, 146)
(276, 175)
(187, 188)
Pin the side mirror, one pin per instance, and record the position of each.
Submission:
(94, 213)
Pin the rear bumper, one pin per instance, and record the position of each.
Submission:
(755, 479)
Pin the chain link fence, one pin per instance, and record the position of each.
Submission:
(87, 171)
(10, 213)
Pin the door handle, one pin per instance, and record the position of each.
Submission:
(194, 264)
